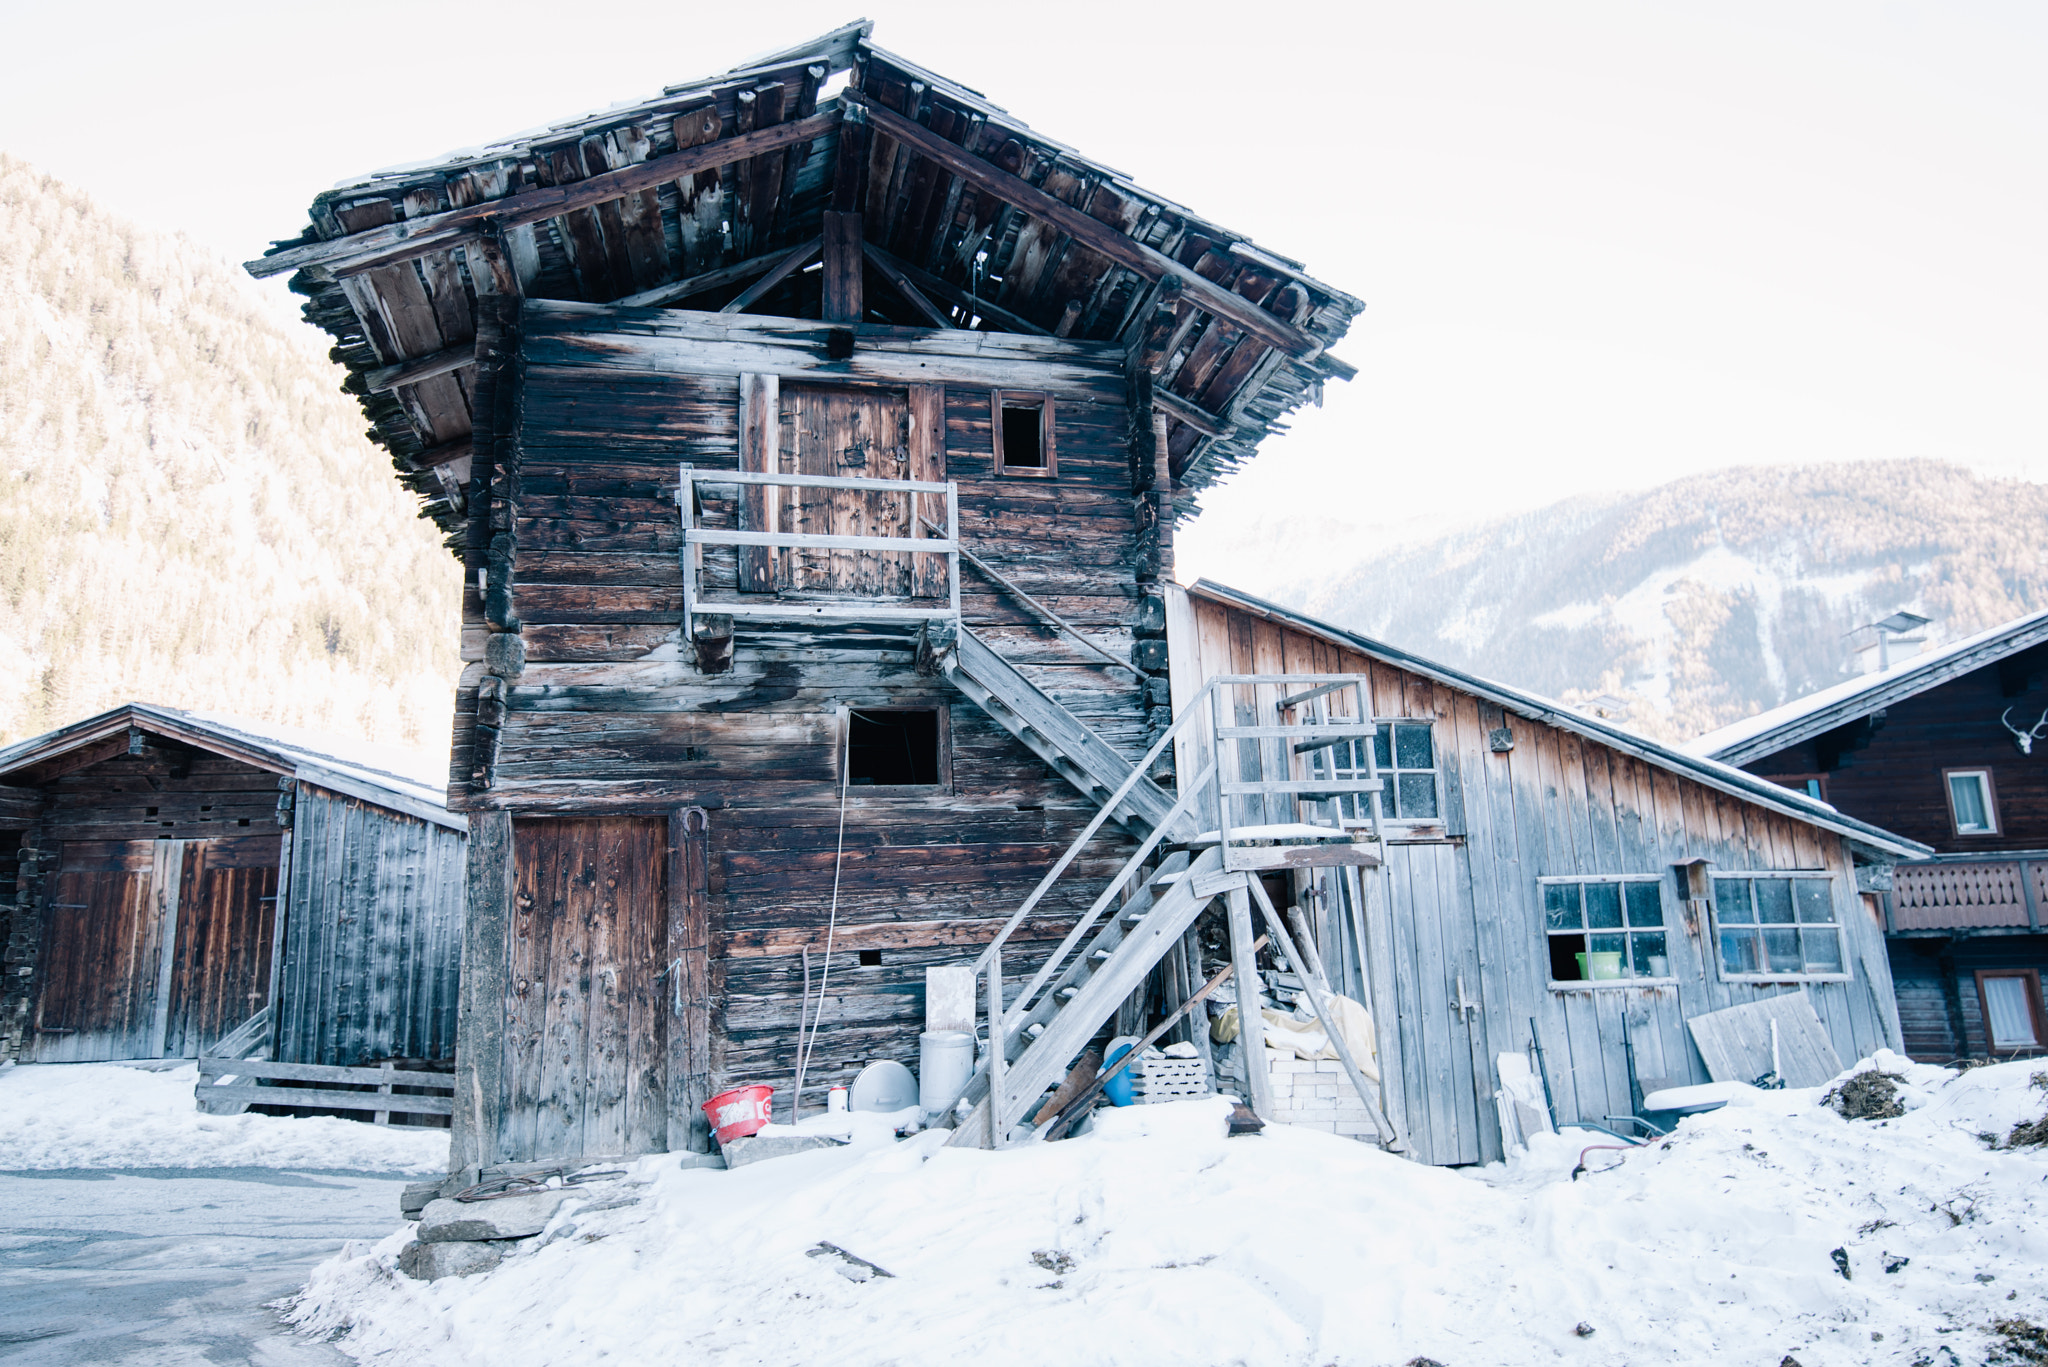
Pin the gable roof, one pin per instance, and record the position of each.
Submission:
(684, 199)
(1723, 777)
(1817, 713)
(402, 780)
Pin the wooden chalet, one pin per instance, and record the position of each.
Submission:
(171, 880)
(811, 437)
(1519, 835)
(1940, 748)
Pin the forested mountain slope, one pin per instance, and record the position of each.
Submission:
(1710, 598)
(189, 513)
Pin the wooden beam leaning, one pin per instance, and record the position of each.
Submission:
(892, 272)
(777, 273)
(952, 294)
(1097, 236)
(679, 290)
(1190, 414)
(408, 238)
(421, 368)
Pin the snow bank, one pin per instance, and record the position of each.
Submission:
(1156, 1240)
(101, 1115)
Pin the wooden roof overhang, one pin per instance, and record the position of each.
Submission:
(1870, 843)
(711, 193)
(140, 728)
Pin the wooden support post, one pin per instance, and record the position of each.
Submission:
(998, 1104)
(1251, 1026)
(760, 436)
(383, 1089)
(480, 1007)
(688, 979)
(1309, 963)
(843, 262)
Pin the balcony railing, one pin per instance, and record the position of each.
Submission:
(1977, 892)
(783, 602)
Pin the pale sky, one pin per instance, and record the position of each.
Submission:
(1601, 244)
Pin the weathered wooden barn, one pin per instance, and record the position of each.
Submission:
(1940, 748)
(173, 876)
(1520, 834)
(811, 437)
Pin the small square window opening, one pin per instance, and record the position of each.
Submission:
(1970, 801)
(871, 958)
(1022, 431)
(892, 749)
(1605, 929)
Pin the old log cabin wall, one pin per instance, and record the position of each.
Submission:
(1459, 963)
(1973, 920)
(613, 722)
(832, 262)
(145, 918)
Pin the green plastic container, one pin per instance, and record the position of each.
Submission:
(1595, 967)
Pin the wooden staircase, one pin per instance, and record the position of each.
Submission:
(1253, 731)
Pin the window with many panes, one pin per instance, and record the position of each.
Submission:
(1605, 929)
(1777, 926)
(1404, 753)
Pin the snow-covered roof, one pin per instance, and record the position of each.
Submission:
(405, 780)
(1804, 718)
(1713, 773)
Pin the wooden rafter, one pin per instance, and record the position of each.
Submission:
(421, 368)
(415, 237)
(1091, 233)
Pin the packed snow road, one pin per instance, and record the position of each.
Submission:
(172, 1265)
(134, 1230)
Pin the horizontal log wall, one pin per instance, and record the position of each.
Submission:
(611, 712)
(1940, 1010)
(1558, 804)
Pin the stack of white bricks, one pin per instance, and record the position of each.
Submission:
(1317, 1094)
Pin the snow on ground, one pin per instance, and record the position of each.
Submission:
(102, 1115)
(1156, 1240)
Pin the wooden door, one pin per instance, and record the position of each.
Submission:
(850, 434)
(98, 965)
(586, 1035)
(227, 909)
(1427, 889)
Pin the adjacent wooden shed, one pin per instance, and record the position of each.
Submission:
(1521, 835)
(1941, 747)
(174, 875)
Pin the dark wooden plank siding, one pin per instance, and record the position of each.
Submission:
(1940, 1010)
(227, 906)
(97, 975)
(373, 934)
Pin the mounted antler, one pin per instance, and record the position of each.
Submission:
(2026, 739)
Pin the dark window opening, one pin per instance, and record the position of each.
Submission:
(892, 749)
(243, 822)
(149, 811)
(1021, 445)
(871, 958)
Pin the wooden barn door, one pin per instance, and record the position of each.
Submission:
(586, 1037)
(227, 907)
(98, 965)
(862, 433)
(1427, 889)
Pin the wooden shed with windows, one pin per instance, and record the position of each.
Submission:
(1524, 841)
(1940, 747)
(811, 436)
(173, 878)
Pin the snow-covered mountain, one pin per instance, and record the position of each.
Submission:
(1702, 601)
(189, 513)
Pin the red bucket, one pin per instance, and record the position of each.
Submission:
(739, 1112)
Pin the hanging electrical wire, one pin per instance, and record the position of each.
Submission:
(805, 1043)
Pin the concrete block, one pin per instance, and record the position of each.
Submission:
(756, 1148)
(508, 1217)
(431, 1262)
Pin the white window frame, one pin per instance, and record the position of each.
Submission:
(1607, 984)
(1389, 776)
(1839, 924)
(1985, 788)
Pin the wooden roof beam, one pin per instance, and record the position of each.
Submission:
(951, 293)
(912, 295)
(784, 265)
(415, 237)
(1097, 236)
(421, 368)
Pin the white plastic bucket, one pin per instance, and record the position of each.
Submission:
(945, 1061)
